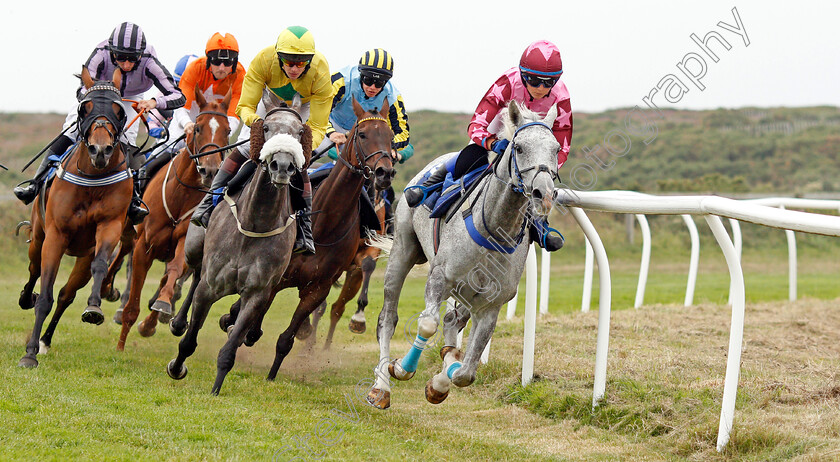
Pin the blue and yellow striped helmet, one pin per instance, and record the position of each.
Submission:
(377, 61)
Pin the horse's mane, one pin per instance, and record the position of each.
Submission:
(509, 127)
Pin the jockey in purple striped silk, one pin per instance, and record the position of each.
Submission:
(127, 50)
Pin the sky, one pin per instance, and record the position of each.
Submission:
(447, 54)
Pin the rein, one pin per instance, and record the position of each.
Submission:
(247, 233)
(362, 169)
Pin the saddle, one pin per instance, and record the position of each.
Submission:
(443, 195)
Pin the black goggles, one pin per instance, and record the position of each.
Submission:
(536, 80)
(130, 57)
(229, 62)
(370, 80)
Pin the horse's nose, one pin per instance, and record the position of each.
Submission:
(291, 169)
(384, 176)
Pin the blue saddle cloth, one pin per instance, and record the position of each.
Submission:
(441, 199)
(56, 161)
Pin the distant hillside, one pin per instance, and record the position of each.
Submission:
(791, 150)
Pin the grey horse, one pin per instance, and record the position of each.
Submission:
(246, 249)
(480, 280)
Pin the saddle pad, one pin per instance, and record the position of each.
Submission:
(452, 191)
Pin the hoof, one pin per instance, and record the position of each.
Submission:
(177, 330)
(112, 295)
(118, 316)
(357, 327)
(379, 399)
(28, 362)
(93, 315)
(143, 331)
(433, 396)
(224, 322)
(176, 375)
(27, 303)
(165, 318)
(162, 307)
(250, 339)
(393, 371)
(304, 332)
(43, 348)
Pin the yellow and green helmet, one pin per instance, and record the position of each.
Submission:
(295, 43)
(377, 61)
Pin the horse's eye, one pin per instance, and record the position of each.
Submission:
(300, 132)
(265, 129)
(197, 129)
(362, 135)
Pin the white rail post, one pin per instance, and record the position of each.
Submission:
(791, 241)
(588, 269)
(545, 276)
(736, 332)
(695, 259)
(530, 316)
(736, 239)
(643, 270)
(511, 306)
(604, 301)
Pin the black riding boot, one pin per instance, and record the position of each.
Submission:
(201, 216)
(137, 210)
(301, 199)
(28, 190)
(148, 170)
(541, 233)
(416, 195)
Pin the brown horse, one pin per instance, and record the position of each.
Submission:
(357, 276)
(84, 213)
(335, 227)
(171, 197)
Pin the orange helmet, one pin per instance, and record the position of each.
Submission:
(222, 48)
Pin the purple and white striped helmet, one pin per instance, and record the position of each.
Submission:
(127, 38)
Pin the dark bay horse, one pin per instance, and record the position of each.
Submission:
(335, 227)
(249, 239)
(171, 197)
(84, 213)
(357, 276)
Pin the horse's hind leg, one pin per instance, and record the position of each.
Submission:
(351, 286)
(124, 297)
(186, 347)
(178, 325)
(126, 246)
(174, 269)
(310, 298)
(140, 261)
(27, 296)
(78, 278)
(227, 355)
(357, 321)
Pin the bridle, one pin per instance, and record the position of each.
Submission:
(192, 151)
(517, 184)
(362, 168)
(102, 95)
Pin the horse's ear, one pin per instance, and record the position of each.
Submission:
(357, 108)
(87, 80)
(514, 113)
(297, 102)
(385, 108)
(270, 100)
(552, 114)
(226, 100)
(116, 78)
(199, 97)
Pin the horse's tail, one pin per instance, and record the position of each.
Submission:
(380, 241)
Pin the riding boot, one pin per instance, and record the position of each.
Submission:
(137, 210)
(28, 190)
(541, 233)
(152, 165)
(302, 202)
(201, 216)
(414, 195)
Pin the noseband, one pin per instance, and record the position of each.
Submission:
(362, 169)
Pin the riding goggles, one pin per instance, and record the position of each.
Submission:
(290, 63)
(377, 82)
(130, 57)
(537, 81)
(229, 62)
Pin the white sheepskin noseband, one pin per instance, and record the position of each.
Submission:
(286, 143)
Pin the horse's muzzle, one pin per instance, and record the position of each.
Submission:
(100, 155)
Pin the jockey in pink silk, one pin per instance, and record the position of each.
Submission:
(535, 84)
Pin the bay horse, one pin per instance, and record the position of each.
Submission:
(481, 277)
(171, 196)
(249, 239)
(335, 227)
(356, 277)
(85, 210)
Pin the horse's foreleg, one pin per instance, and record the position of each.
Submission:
(178, 325)
(140, 263)
(310, 298)
(351, 286)
(109, 292)
(126, 292)
(174, 268)
(51, 254)
(78, 278)
(228, 319)
(27, 297)
(256, 332)
(484, 323)
(107, 236)
(247, 316)
(357, 321)
(186, 347)
(454, 321)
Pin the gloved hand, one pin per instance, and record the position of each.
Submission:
(156, 132)
(499, 146)
(257, 139)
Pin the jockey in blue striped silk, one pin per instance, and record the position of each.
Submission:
(127, 50)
